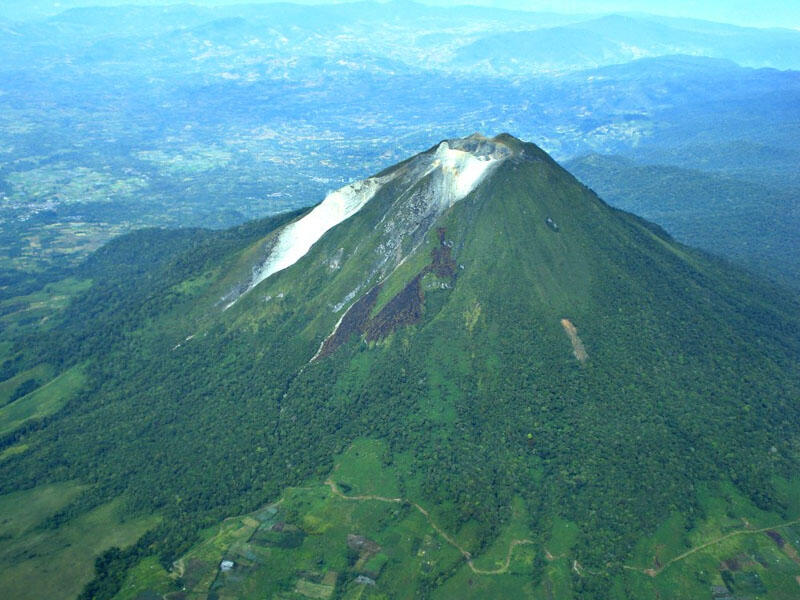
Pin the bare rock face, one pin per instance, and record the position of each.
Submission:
(422, 188)
(482, 147)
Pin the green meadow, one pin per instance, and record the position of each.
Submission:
(38, 561)
(43, 401)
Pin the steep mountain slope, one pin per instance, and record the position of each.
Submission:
(752, 224)
(525, 355)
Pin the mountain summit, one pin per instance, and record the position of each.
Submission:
(450, 172)
(464, 376)
(371, 250)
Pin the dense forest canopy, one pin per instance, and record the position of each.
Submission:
(459, 361)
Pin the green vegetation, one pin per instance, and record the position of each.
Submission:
(193, 159)
(317, 541)
(751, 223)
(34, 311)
(364, 468)
(736, 545)
(40, 562)
(148, 575)
(559, 571)
(468, 450)
(13, 450)
(24, 383)
(43, 401)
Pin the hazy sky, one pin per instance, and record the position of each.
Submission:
(761, 13)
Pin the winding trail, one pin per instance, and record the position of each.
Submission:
(688, 553)
(465, 553)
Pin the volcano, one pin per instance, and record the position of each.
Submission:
(469, 349)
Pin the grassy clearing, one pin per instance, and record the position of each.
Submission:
(9, 387)
(147, 575)
(563, 535)
(728, 547)
(44, 401)
(52, 297)
(22, 511)
(557, 579)
(363, 469)
(496, 555)
(366, 469)
(196, 285)
(789, 491)
(513, 561)
(313, 590)
(13, 451)
(466, 584)
(45, 563)
(668, 542)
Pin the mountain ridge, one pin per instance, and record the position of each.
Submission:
(749, 223)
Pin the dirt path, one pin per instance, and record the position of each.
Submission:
(789, 551)
(465, 553)
(578, 349)
(506, 564)
(335, 489)
(688, 553)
